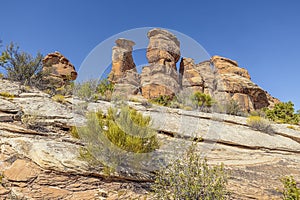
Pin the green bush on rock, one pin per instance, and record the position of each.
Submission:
(190, 177)
(283, 113)
(109, 135)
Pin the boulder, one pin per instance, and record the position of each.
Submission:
(121, 59)
(60, 69)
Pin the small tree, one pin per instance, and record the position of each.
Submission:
(21, 66)
(283, 113)
(201, 100)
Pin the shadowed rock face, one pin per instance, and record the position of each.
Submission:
(59, 67)
(121, 59)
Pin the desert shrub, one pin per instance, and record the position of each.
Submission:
(190, 177)
(260, 124)
(283, 113)
(109, 136)
(202, 101)
(230, 107)
(105, 89)
(59, 98)
(163, 100)
(290, 190)
(86, 90)
(7, 95)
(21, 66)
(260, 113)
(74, 132)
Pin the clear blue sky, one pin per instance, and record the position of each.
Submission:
(262, 35)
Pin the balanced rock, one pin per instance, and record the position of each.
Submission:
(121, 59)
(60, 69)
(163, 48)
(161, 76)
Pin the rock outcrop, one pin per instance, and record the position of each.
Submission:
(161, 76)
(235, 83)
(122, 60)
(220, 77)
(44, 163)
(60, 69)
(225, 80)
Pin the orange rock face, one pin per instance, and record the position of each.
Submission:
(122, 60)
(59, 66)
(227, 66)
(161, 76)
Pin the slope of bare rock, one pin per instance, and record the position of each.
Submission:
(38, 164)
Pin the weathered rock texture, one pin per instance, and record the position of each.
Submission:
(122, 60)
(161, 76)
(225, 80)
(59, 67)
(235, 82)
(44, 163)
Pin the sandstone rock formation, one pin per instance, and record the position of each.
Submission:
(161, 76)
(235, 82)
(121, 59)
(59, 67)
(224, 80)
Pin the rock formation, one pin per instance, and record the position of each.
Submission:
(44, 163)
(161, 76)
(123, 73)
(121, 59)
(235, 83)
(220, 77)
(225, 80)
(59, 67)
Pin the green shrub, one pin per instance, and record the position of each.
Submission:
(190, 177)
(21, 66)
(59, 98)
(105, 89)
(290, 191)
(260, 124)
(74, 132)
(231, 108)
(86, 90)
(283, 113)
(163, 100)
(7, 95)
(92, 90)
(108, 137)
(202, 101)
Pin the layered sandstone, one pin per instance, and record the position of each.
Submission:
(122, 60)
(161, 76)
(60, 69)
